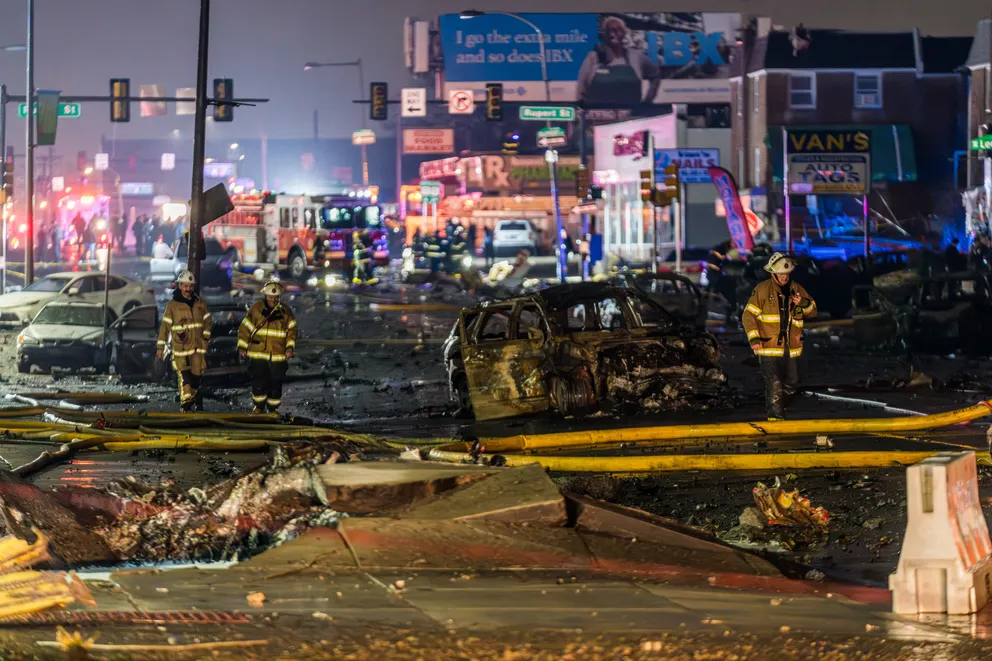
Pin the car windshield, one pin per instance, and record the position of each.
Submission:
(513, 226)
(49, 284)
(357, 217)
(70, 315)
(214, 249)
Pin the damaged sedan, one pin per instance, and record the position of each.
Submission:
(580, 349)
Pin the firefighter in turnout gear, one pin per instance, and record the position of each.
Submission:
(773, 320)
(359, 259)
(186, 328)
(267, 338)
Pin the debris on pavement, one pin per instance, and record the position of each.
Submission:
(24, 591)
(788, 508)
(256, 599)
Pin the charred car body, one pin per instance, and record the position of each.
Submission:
(940, 313)
(579, 349)
(676, 293)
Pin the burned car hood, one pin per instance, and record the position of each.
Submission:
(53, 332)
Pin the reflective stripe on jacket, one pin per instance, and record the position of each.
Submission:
(763, 321)
(268, 336)
(186, 329)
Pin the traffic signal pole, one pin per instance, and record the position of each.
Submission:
(199, 146)
(29, 156)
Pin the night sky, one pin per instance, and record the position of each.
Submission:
(262, 45)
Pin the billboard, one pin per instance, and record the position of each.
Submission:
(829, 162)
(607, 60)
(693, 164)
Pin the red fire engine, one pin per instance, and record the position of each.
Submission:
(298, 231)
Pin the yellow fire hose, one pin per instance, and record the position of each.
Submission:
(709, 462)
(729, 430)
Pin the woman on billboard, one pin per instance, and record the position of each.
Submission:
(614, 71)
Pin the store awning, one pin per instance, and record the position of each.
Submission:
(893, 158)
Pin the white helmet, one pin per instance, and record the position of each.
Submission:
(186, 278)
(779, 263)
(273, 288)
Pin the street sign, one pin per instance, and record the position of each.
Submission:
(461, 102)
(414, 101)
(101, 161)
(430, 192)
(65, 110)
(982, 143)
(551, 136)
(548, 113)
(168, 161)
(692, 163)
(363, 137)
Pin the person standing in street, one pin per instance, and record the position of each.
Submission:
(138, 229)
(773, 320)
(186, 328)
(267, 338)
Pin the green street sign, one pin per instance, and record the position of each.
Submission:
(551, 132)
(65, 110)
(983, 143)
(548, 113)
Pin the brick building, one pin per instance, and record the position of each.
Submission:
(906, 89)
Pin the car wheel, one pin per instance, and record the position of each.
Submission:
(459, 390)
(297, 264)
(23, 366)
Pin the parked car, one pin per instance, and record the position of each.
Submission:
(20, 307)
(577, 349)
(674, 292)
(215, 270)
(512, 236)
(693, 264)
(66, 334)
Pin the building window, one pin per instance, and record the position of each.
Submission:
(802, 90)
(867, 90)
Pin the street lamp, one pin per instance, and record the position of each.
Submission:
(234, 146)
(88, 170)
(14, 47)
(361, 90)
(550, 155)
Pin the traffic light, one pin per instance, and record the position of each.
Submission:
(8, 176)
(120, 107)
(581, 182)
(494, 102)
(378, 95)
(81, 161)
(647, 185)
(672, 187)
(223, 91)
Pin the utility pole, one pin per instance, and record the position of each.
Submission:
(29, 154)
(199, 145)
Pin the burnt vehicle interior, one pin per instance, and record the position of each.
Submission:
(579, 349)
(675, 293)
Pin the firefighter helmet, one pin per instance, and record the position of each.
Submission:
(186, 278)
(273, 288)
(780, 264)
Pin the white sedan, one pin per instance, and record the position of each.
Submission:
(20, 307)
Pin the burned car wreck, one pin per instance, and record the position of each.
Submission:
(939, 313)
(580, 349)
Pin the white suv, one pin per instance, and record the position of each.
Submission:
(512, 236)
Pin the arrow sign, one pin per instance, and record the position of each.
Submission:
(414, 101)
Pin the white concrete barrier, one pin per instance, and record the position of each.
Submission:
(945, 565)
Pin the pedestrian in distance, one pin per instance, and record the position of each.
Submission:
(267, 339)
(773, 320)
(185, 328)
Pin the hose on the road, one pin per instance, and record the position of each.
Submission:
(647, 435)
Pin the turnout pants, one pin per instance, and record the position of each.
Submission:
(189, 385)
(266, 383)
(781, 381)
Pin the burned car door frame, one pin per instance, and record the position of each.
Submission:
(134, 337)
(505, 373)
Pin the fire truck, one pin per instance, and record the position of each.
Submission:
(296, 232)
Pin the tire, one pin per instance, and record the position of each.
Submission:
(459, 389)
(130, 305)
(23, 367)
(297, 264)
